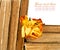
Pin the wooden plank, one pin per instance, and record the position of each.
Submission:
(6, 24)
(14, 25)
(51, 28)
(5, 18)
(24, 7)
(38, 46)
(47, 37)
(0, 3)
(23, 11)
(1, 23)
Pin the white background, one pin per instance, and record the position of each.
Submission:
(48, 17)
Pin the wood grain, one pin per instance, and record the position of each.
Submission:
(14, 25)
(4, 23)
(38, 46)
(1, 23)
(0, 3)
(24, 7)
(23, 12)
(47, 37)
(51, 28)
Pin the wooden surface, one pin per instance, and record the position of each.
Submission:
(9, 25)
(10, 30)
(4, 23)
(39, 46)
(51, 33)
(1, 24)
(0, 3)
(47, 37)
(51, 28)
(50, 39)
(23, 12)
(13, 25)
(24, 7)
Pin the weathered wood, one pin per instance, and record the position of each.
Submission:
(51, 28)
(24, 7)
(0, 3)
(14, 25)
(1, 23)
(4, 23)
(47, 37)
(39, 46)
(51, 33)
(23, 11)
